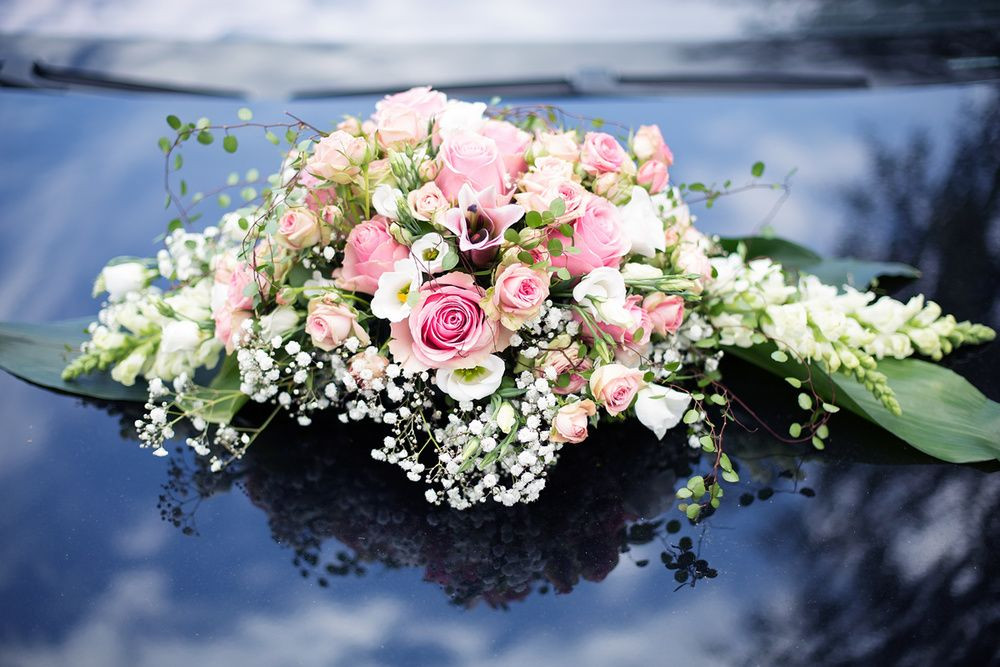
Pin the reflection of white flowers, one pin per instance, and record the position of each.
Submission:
(660, 408)
(472, 384)
(429, 252)
(642, 225)
(603, 292)
(385, 200)
(397, 290)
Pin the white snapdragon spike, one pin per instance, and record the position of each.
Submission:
(119, 280)
(642, 225)
(471, 384)
(397, 290)
(602, 291)
(429, 252)
(385, 200)
(278, 322)
(660, 408)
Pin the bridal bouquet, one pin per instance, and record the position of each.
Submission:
(490, 285)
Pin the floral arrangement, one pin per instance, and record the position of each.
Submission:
(491, 285)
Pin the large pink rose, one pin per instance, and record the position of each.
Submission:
(601, 153)
(447, 327)
(571, 421)
(338, 157)
(665, 311)
(468, 157)
(614, 386)
(422, 100)
(370, 251)
(398, 126)
(598, 236)
(330, 323)
(517, 295)
(626, 337)
(512, 142)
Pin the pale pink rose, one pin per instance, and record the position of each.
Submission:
(331, 215)
(228, 327)
(598, 236)
(423, 100)
(427, 201)
(562, 145)
(614, 186)
(565, 359)
(370, 251)
(351, 125)
(365, 367)
(338, 157)
(397, 126)
(653, 176)
(690, 258)
(517, 295)
(317, 197)
(666, 311)
(648, 144)
(368, 128)
(380, 171)
(625, 337)
(467, 157)
(614, 386)
(225, 264)
(512, 142)
(330, 323)
(601, 153)
(571, 421)
(298, 228)
(572, 194)
(545, 173)
(428, 170)
(447, 327)
(240, 279)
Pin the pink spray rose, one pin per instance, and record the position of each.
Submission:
(653, 176)
(564, 358)
(511, 141)
(330, 323)
(614, 386)
(648, 144)
(447, 327)
(625, 337)
(572, 194)
(517, 295)
(317, 197)
(601, 153)
(338, 157)
(426, 202)
(469, 158)
(370, 251)
(397, 126)
(665, 311)
(597, 235)
(571, 421)
(423, 100)
(562, 145)
(228, 326)
(546, 173)
(366, 366)
(298, 228)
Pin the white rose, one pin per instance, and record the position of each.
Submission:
(180, 336)
(278, 322)
(397, 290)
(471, 384)
(660, 408)
(120, 279)
(429, 252)
(385, 199)
(642, 225)
(603, 292)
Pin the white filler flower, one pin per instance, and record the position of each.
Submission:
(642, 225)
(660, 408)
(472, 384)
(603, 292)
(397, 291)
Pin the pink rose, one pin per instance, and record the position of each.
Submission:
(665, 311)
(689, 256)
(564, 358)
(653, 176)
(423, 100)
(298, 228)
(614, 386)
(380, 171)
(625, 337)
(511, 141)
(562, 145)
(240, 279)
(601, 153)
(517, 295)
(571, 421)
(648, 144)
(546, 173)
(338, 157)
(572, 194)
(365, 367)
(317, 197)
(229, 327)
(467, 157)
(330, 323)
(427, 201)
(370, 251)
(598, 236)
(351, 125)
(447, 327)
(397, 126)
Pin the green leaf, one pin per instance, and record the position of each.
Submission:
(943, 416)
(757, 170)
(38, 353)
(174, 122)
(511, 236)
(557, 207)
(555, 246)
(229, 143)
(205, 137)
(272, 137)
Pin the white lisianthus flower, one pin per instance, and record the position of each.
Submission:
(121, 279)
(506, 418)
(637, 271)
(278, 322)
(385, 199)
(460, 116)
(429, 252)
(603, 292)
(642, 225)
(660, 408)
(397, 290)
(180, 336)
(471, 384)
